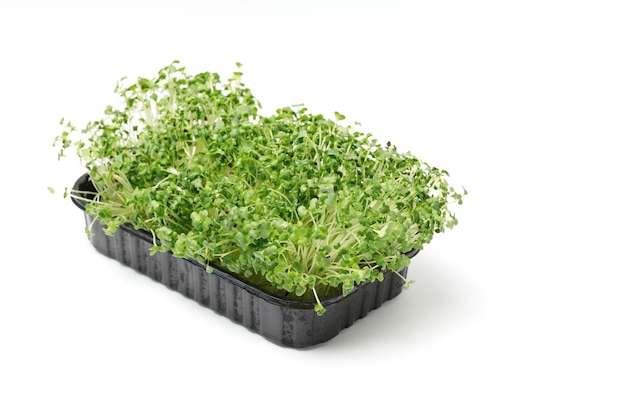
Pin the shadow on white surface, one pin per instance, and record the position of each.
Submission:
(436, 304)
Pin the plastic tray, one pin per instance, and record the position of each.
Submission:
(285, 322)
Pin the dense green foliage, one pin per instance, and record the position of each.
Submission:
(294, 202)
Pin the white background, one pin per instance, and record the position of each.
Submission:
(519, 311)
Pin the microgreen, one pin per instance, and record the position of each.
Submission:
(293, 202)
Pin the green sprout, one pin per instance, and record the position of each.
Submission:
(295, 203)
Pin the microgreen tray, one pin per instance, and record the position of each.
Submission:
(284, 322)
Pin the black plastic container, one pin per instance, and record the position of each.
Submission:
(287, 323)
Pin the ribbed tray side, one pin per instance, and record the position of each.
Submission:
(282, 324)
